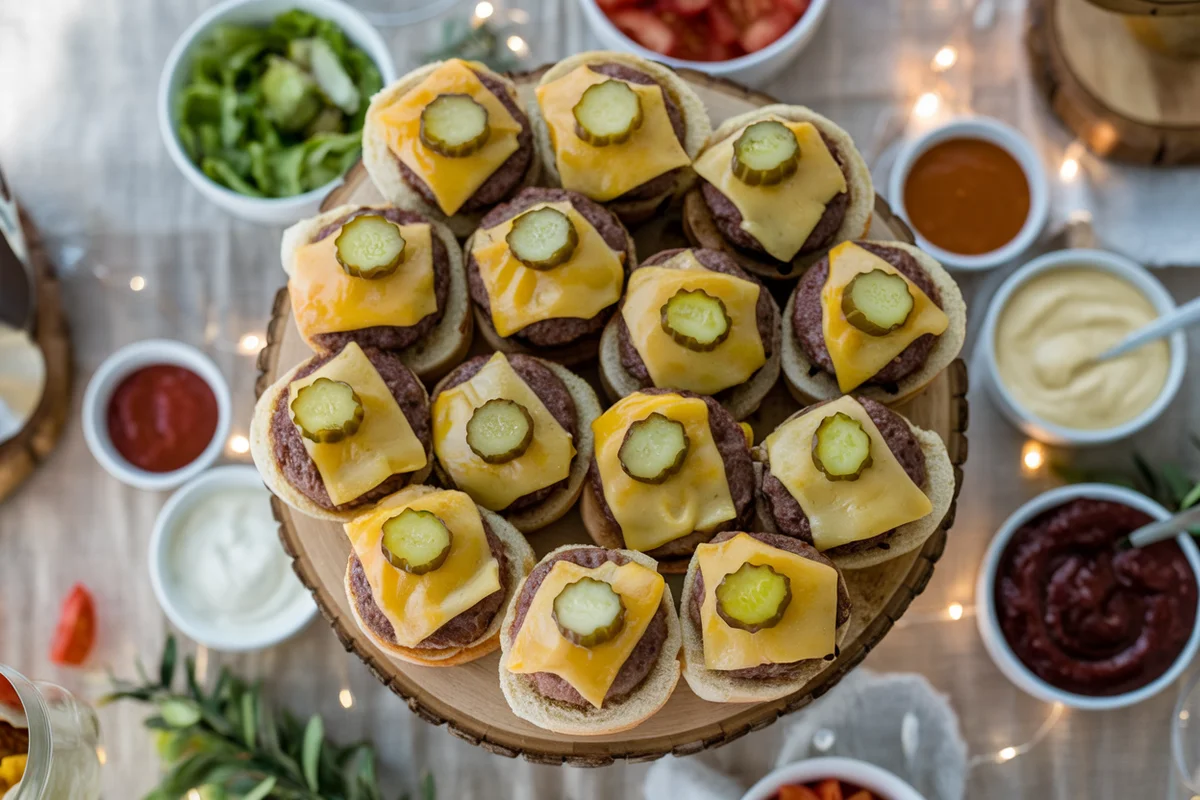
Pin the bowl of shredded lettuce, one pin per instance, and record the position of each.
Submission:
(261, 102)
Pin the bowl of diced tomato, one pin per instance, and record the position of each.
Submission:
(745, 40)
(831, 779)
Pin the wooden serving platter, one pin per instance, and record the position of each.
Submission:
(467, 698)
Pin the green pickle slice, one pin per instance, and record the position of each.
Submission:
(454, 125)
(589, 612)
(753, 598)
(416, 541)
(327, 411)
(841, 449)
(543, 238)
(696, 320)
(765, 153)
(499, 430)
(607, 113)
(370, 247)
(653, 449)
(877, 302)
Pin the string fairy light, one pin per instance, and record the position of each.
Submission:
(944, 59)
(346, 698)
(484, 10)
(927, 105)
(239, 444)
(518, 45)
(1009, 752)
(137, 283)
(1033, 457)
(250, 344)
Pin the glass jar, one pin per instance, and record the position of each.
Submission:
(63, 735)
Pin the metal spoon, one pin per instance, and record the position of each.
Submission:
(1187, 314)
(1162, 529)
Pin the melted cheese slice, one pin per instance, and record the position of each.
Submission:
(327, 300)
(384, 444)
(857, 355)
(605, 173)
(585, 285)
(809, 625)
(541, 647)
(496, 486)
(417, 605)
(694, 498)
(839, 512)
(452, 180)
(669, 363)
(781, 217)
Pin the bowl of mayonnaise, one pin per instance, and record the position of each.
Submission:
(1044, 329)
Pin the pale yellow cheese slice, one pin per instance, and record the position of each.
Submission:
(384, 445)
(695, 498)
(883, 497)
(327, 300)
(452, 180)
(669, 363)
(496, 486)
(782, 216)
(417, 605)
(541, 647)
(857, 355)
(585, 285)
(808, 628)
(605, 173)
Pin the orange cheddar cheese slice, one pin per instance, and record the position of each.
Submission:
(808, 628)
(883, 497)
(605, 173)
(417, 605)
(495, 486)
(694, 498)
(858, 355)
(384, 444)
(540, 647)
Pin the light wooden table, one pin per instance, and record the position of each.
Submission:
(79, 140)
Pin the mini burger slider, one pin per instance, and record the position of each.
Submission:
(450, 139)
(546, 270)
(619, 129)
(854, 479)
(762, 615)
(778, 186)
(590, 643)
(382, 277)
(694, 320)
(430, 575)
(515, 433)
(339, 432)
(879, 319)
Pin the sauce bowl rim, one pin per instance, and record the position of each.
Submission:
(864, 774)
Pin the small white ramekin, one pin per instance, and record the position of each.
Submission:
(1003, 136)
(989, 624)
(209, 632)
(876, 780)
(104, 382)
(1105, 261)
(753, 68)
(265, 210)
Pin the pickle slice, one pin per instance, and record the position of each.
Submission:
(416, 541)
(765, 153)
(653, 449)
(454, 125)
(589, 612)
(877, 302)
(696, 320)
(499, 430)
(841, 449)
(607, 113)
(370, 247)
(753, 598)
(543, 238)
(327, 411)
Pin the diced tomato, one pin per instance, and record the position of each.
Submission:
(8, 695)
(646, 28)
(721, 26)
(690, 8)
(797, 7)
(738, 13)
(861, 794)
(76, 631)
(757, 9)
(794, 792)
(762, 32)
(830, 789)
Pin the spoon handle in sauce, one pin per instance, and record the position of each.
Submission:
(1187, 314)
(1162, 529)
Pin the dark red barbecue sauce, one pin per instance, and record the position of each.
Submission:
(162, 417)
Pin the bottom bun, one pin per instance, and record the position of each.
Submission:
(606, 534)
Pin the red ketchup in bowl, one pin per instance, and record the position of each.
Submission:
(162, 417)
(704, 30)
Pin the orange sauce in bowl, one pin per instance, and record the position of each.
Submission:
(967, 196)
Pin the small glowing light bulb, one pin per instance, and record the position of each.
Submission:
(517, 45)
(1033, 456)
(927, 104)
(1069, 170)
(239, 444)
(944, 59)
(344, 696)
(250, 343)
(484, 10)
(1007, 754)
(955, 611)
(137, 283)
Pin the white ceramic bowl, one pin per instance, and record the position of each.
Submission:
(1003, 136)
(112, 371)
(753, 68)
(989, 625)
(270, 211)
(208, 631)
(876, 780)
(1117, 265)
